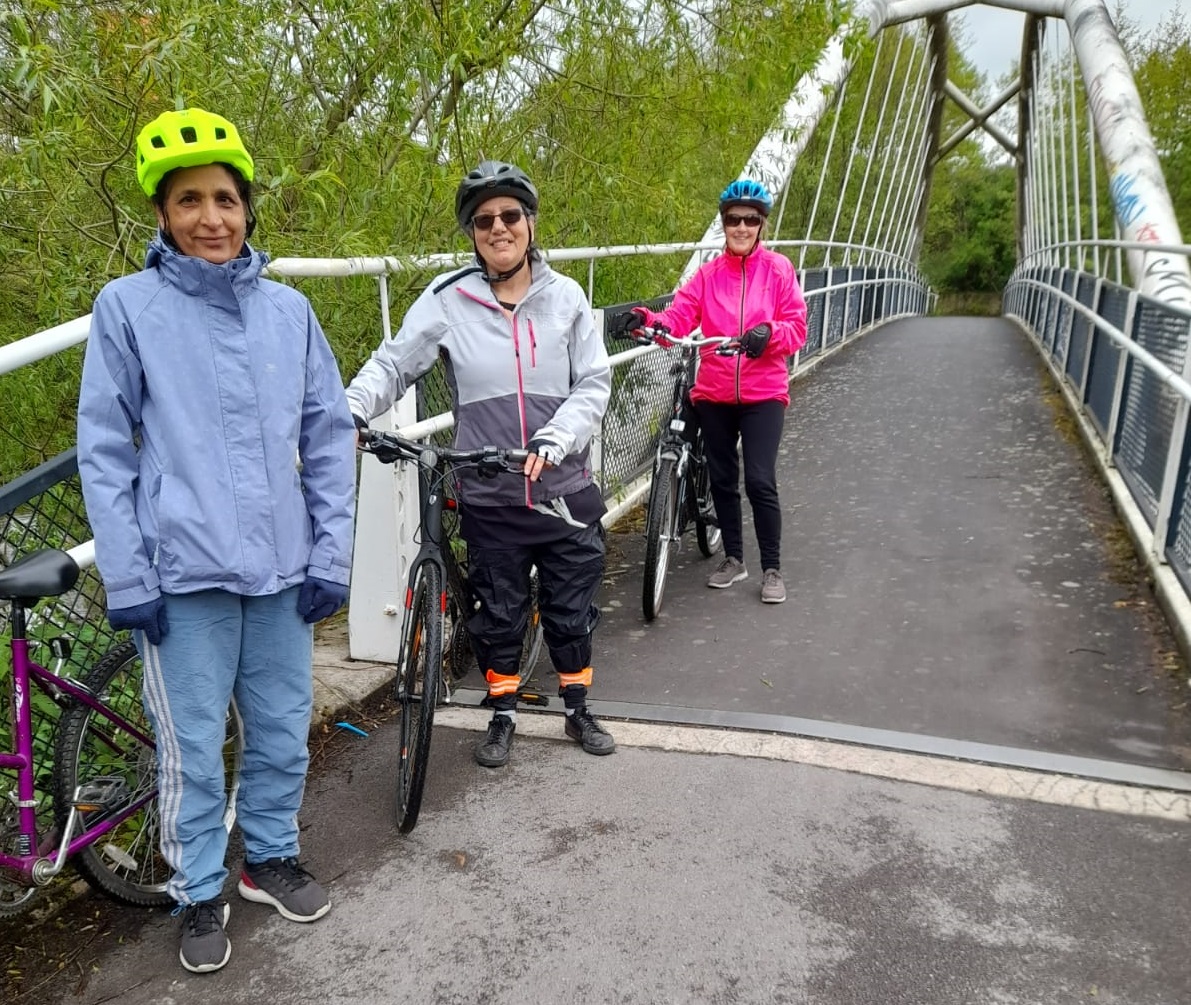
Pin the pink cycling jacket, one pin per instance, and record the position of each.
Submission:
(728, 296)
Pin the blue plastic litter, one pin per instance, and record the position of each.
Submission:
(351, 729)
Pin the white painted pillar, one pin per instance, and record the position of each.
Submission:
(1136, 184)
(386, 522)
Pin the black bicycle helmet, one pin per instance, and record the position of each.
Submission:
(490, 179)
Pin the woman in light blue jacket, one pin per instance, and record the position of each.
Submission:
(216, 452)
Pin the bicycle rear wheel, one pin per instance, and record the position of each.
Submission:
(114, 770)
(660, 535)
(419, 677)
(531, 644)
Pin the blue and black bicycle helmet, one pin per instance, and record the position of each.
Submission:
(490, 179)
(746, 192)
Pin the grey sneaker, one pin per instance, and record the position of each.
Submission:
(582, 726)
(205, 945)
(494, 751)
(285, 885)
(730, 570)
(773, 587)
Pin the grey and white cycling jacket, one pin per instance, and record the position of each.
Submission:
(538, 372)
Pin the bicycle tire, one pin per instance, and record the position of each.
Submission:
(126, 863)
(419, 677)
(659, 536)
(460, 659)
(707, 532)
(531, 644)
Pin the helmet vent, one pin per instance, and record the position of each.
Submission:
(158, 143)
(220, 133)
(188, 134)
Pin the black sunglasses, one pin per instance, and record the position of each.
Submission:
(509, 217)
(734, 220)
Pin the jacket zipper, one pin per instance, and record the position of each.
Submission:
(740, 319)
(521, 396)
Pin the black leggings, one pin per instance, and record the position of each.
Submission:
(758, 428)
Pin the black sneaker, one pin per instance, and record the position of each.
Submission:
(285, 885)
(205, 945)
(593, 737)
(494, 751)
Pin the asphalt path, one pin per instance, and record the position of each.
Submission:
(955, 574)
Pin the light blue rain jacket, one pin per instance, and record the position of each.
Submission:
(202, 386)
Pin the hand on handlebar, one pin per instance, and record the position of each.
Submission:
(543, 454)
(626, 323)
(754, 341)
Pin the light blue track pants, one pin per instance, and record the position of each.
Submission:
(220, 645)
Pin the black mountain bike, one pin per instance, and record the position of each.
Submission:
(680, 494)
(436, 651)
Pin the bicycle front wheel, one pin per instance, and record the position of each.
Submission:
(660, 535)
(707, 531)
(107, 769)
(419, 676)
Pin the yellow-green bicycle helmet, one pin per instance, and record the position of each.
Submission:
(189, 138)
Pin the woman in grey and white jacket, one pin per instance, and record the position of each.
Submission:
(526, 368)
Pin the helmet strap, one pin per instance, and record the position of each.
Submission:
(500, 277)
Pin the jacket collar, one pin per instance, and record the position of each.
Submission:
(199, 277)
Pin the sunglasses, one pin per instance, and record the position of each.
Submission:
(733, 220)
(509, 217)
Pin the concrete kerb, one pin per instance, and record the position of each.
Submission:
(342, 685)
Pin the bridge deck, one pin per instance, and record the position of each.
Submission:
(954, 566)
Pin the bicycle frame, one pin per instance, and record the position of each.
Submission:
(37, 861)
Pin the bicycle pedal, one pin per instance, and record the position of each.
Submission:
(530, 698)
(101, 794)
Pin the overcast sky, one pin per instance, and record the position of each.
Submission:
(994, 35)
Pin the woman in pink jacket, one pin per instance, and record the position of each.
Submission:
(752, 293)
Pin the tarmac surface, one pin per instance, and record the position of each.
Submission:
(951, 768)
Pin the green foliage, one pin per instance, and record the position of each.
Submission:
(361, 116)
(1162, 64)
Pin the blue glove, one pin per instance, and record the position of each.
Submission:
(754, 341)
(318, 599)
(148, 617)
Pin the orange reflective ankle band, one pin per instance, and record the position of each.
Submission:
(500, 684)
(580, 677)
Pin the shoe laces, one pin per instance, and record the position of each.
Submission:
(288, 870)
(772, 577)
(204, 918)
(585, 720)
(498, 726)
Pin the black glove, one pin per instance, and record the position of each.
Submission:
(619, 325)
(754, 341)
(148, 617)
(319, 598)
(550, 451)
(360, 423)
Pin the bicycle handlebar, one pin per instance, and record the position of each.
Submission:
(725, 345)
(388, 448)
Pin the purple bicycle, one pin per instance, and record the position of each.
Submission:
(95, 803)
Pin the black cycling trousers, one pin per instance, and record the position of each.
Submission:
(758, 430)
(570, 571)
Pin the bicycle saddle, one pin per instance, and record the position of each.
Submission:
(45, 573)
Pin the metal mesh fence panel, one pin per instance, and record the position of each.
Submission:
(1080, 339)
(816, 311)
(1106, 358)
(1067, 280)
(1148, 406)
